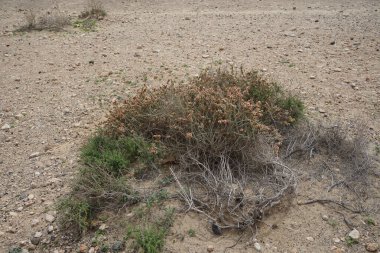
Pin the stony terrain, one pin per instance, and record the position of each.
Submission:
(57, 87)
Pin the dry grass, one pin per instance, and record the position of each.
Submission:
(94, 10)
(54, 20)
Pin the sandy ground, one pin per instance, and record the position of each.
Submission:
(52, 98)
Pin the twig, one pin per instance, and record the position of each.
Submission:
(233, 245)
(323, 201)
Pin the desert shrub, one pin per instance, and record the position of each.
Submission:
(219, 112)
(95, 10)
(75, 213)
(102, 182)
(87, 25)
(225, 128)
(52, 20)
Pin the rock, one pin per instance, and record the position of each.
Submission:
(156, 51)
(49, 218)
(13, 214)
(103, 227)
(5, 127)
(325, 217)
(321, 110)
(50, 229)
(205, 56)
(332, 43)
(354, 234)
(336, 240)
(91, 250)
(38, 234)
(372, 247)
(35, 154)
(187, 18)
(312, 77)
(137, 55)
(337, 70)
(210, 248)
(257, 246)
(117, 246)
(83, 248)
(35, 240)
(309, 238)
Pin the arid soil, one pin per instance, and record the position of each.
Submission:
(57, 87)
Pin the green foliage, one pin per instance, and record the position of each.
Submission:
(75, 213)
(350, 241)
(87, 25)
(191, 232)
(15, 250)
(370, 221)
(151, 237)
(156, 197)
(114, 154)
(293, 105)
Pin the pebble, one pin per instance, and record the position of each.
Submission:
(312, 77)
(156, 51)
(11, 230)
(50, 229)
(49, 218)
(321, 111)
(117, 246)
(325, 217)
(257, 246)
(35, 154)
(5, 127)
(103, 227)
(205, 56)
(309, 238)
(354, 234)
(91, 250)
(372, 247)
(38, 234)
(337, 70)
(210, 248)
(336, 240)
(83, 248)
(35, 240)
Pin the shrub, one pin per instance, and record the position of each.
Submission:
(75, 213)
(52, 20)
(95, 10)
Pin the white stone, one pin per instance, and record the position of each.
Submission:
(37, 234)
(257, 246)
(5, 127)
(354, 234)
(49, 218)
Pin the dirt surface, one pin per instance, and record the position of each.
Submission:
(56, 87)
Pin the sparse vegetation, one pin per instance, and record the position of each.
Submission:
(350, 241)
(87, 25)
(94, 10)
(54, 20)
(191, 232)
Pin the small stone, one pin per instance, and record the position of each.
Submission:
(35, 240)
(30, 196)
(312, 77)
(321, 110)
(137, 55)
(205, 56)
(83, 248)
(332, 43)
(187, 18)
(337, 70)
(13, 214)
(372, 247)
(354, 234)
(257, 246)
(210, 248)
(325, 217)
(156, 51)
(49, 218)
(50, 229)
(5, 127)
(35, 154)
(336, 240)
(103, 227)
(91, 250)
(309, 238)
(38, 234)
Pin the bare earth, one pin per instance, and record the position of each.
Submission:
(52, 97)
